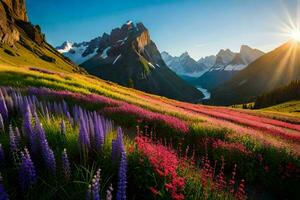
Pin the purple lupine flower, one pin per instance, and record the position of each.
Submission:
(12, 140)
(3, 107)
(63, 128)
(3, 194)
(89, 193)
(99, 133)
(47, 115)
(13, 145)
(69, 117)
(91, 129)
(65, 107)
(56, 108)
(1, 123)
(109, 192)
(47, 153)
(66, 165)
(94, 188)
(117, 145)
(2, 156)
(83, 138)
(121, 193)
(17, 136)
(27, 173)
(27, 129)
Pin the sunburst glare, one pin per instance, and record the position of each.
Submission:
(295, 35)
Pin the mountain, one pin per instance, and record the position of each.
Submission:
(208, 61)
(23, 44)
(272, 70)
(79, 52)
(227, 64)
(184, 65)
(129, 57)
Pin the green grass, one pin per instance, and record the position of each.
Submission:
(25, 57)
(291, 108)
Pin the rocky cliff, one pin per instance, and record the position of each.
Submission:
(14, 22)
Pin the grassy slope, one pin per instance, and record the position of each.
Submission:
(20, 77)
(201, 125)
(291, 108)
(23, 57)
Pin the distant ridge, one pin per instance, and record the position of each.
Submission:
(227, 64)
(272, 70)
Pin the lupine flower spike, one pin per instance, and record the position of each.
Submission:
(2, 156)
(3, 194)
(63, 128)
(27, 174)
(121, 193)
(66, 165)
(109, 192)
(94, 188)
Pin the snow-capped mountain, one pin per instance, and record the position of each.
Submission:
(261, 75)
(227, 64)
(223, 58)
(79, 52)
(129, 57)
(184, 64)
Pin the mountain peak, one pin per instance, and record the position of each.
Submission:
(224, 56)
(245, 47)
(65, 47)
(185, 54)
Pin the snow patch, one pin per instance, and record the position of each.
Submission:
(75, 54)
(66, 48)
(119, 56)
(129, 22)
(234, 67)
(104, 53)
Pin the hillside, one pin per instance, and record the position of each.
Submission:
(272, 70)
(291, 108)
(23, 44)
(226, 128)
(279, 95)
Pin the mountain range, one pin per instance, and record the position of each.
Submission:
(130, 58)
(227, 64)
(272, 70)
(184, 65)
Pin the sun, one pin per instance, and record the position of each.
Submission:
(295, 35)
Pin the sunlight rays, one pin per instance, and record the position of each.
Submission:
(288, 27)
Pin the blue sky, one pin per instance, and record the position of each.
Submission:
(201, 27)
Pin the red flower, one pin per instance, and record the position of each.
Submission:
(154, 191)
(165, 163)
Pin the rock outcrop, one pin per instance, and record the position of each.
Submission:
(14, 22)
(18, 9)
